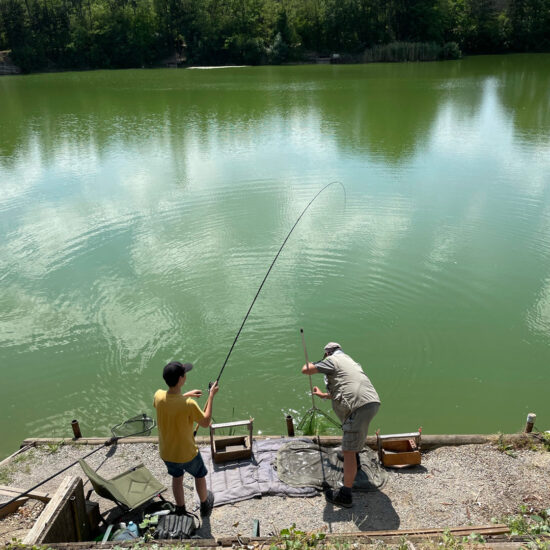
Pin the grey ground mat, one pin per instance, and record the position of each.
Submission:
(243, 479)
(302, 463)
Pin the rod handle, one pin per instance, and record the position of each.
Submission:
(304, 346)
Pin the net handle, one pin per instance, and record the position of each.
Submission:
(111, 441)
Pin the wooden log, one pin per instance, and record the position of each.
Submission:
(428, 441)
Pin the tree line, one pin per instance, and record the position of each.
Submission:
(59, 34)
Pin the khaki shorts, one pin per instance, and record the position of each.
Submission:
(356, 427)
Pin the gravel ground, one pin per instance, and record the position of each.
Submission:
(454, 486)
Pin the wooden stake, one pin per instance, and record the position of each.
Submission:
(76, 429)
(290, 426)
(531, 417)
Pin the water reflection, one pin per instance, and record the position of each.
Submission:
(140, 210)
(385, 110)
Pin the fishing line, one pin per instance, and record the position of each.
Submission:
(265, 279)
(271, 267)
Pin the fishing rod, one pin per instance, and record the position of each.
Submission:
(269, 271)
(113, 440)
(307, 365)
(265, 279)
(309, 417)
(325, 485)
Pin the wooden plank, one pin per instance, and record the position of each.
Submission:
(465, 530)
(15, 491)
(408, 435)
(499, 529)
(231, 424)
(211, 543)
(366, 537)
(401, 459)
(400, 446)
(12, 507)
(64, 518)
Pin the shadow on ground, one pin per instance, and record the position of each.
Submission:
(371, 511)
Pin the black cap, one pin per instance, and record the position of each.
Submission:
(173, 370)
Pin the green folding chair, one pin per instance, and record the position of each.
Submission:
(129, 490)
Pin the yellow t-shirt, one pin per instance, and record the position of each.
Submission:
(176, 415)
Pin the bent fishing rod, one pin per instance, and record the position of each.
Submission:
(269, 271)
(266, 276)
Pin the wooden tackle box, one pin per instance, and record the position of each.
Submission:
(399, 450)
(233, 447)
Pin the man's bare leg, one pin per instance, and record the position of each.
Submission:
(350, 468)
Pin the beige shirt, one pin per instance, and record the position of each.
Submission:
(347, 383)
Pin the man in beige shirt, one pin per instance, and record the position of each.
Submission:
(355, 402)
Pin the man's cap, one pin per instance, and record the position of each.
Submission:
(173, 370)
(331, 346)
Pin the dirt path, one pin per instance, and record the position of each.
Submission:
(454, 486)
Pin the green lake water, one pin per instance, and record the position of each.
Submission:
(140, 210)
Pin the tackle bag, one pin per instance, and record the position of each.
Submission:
(173, 526)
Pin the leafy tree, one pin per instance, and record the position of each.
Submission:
(134, 33)
(529, 22)
(18, 34)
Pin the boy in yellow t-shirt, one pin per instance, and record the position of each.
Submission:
(176, 415)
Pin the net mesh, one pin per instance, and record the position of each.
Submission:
(316, 421)
(305, 464)
(138, 425)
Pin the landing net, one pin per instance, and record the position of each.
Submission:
(137, 425)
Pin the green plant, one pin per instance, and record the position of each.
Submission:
(545, 439)
(504, 447)
(531, 524)
(5, 476)
(473, 538)
(294, 539)
(54, 447)
(449, 542)
(20, 462)
(403, 544)
(24, 457)
(17, 544)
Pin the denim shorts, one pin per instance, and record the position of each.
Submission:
(356, 427)
(194, 467)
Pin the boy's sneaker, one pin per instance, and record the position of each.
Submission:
(340, 498)
(207, 505)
